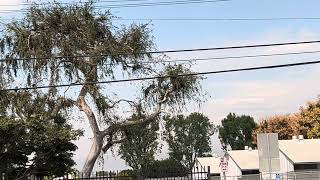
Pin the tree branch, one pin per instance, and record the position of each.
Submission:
(147, 119)
(83, 106)
(111, 143)
(132, 103)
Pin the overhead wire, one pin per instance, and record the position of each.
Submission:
(211, 19)
(146, 4)
(214, 58)
(174, 51)
(167, 76)
(219, 19)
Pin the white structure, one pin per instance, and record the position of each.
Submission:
(299, 154)
(242, 162)
(213, 162)
(295, 155)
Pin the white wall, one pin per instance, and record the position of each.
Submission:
(233, 170)
(285, 164)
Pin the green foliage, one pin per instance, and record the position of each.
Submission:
(237, 131)
(309, 119)
(165, 168)
(77, 44)
(34, 146)
(32, 140)
(182, 88)
(188, 137)
(140, 144)
(285, 126)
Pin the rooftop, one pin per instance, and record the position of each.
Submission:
(213, 162)
(245, 159)
(301, 151)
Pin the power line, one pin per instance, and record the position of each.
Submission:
(218, 58)
(113, 2)
(164, 3)
(147, 4)
(219, 19)
(173, 51)
(65, 3)
(212, 19)
(157, 77)
(238, 57)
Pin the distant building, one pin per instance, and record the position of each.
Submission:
(243, 162)
(299, 154)
(299, 159)
(213, 162)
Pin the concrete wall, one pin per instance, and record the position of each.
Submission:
(233, 170)
(285, 164)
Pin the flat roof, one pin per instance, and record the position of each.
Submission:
(213, 162)
(301, 151)
(245, 159)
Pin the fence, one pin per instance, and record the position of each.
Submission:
(298, 175)
(198, 173)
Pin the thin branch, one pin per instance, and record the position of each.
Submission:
(147, 119)
(132, 103)
(111, 143)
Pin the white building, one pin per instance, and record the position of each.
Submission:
(212, 162)
(242, 162)
(296, 155)
(299, 154)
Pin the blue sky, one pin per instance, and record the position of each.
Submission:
(259, 93)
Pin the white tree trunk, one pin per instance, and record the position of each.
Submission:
(92, 157)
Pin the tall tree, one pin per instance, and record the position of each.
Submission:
(140, 144)
(236, 131)
(309, 119)
(285, 125)
(33, 145)
(75, 44)
(188, 137)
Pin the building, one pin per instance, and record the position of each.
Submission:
(299, 157)
(299, 154)
(243, 163)
(212, 162)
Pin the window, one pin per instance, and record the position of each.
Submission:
(215, 174)
(305, 166)
(255, 171)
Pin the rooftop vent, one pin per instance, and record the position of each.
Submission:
(294, 138)
(300, 137)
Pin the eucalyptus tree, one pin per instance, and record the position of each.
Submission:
(140, 146)
(75, 44)
(188, 137)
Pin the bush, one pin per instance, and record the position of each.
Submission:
(165, 168)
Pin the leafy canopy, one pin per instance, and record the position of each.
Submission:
(188, 137)
(140, 144)
(65, 44)
(305, 122)
(285, 125)
(236, 131)
(33, 146)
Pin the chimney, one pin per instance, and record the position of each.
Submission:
(294, 138)
(246, 147)
(301, 137)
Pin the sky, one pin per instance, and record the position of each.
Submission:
(257, 93)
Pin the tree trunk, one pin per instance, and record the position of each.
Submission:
(92, 156)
